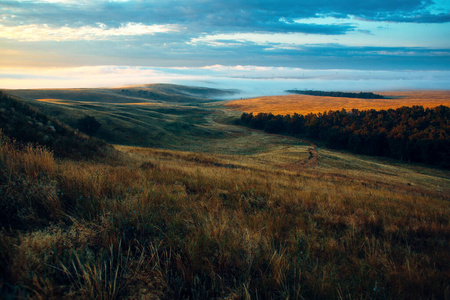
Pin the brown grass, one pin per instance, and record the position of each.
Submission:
(55, 101)
(175, 225)
(74, 102)
(304, 104)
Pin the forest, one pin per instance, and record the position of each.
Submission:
(361, 95)
(412, 134)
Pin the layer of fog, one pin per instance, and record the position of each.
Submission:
(251, 81)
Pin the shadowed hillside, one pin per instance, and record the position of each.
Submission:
(151, 115)
(129, 94)
(26, 124)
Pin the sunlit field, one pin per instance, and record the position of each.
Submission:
(304, 104)
(169, 224)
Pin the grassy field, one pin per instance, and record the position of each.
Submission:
(304, 104)
(241, 215)
(152, 115)
(170, 224)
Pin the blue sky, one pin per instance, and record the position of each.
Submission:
(60, 38)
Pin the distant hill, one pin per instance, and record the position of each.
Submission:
(154, 115)
(26, 124)
(129, 94)
(176, 93)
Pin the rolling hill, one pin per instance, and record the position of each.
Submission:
(238, 214)
(25, 124)
(158, 115)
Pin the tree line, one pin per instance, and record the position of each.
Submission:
(411, 134)
(362, 95)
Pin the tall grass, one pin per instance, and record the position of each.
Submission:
(174, 225)
(100, 279)
(28, 191)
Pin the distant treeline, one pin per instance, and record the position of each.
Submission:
(362, 95)
(410, 134)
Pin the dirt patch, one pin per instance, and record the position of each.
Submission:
(311, 162)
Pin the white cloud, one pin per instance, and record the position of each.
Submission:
(251, 80)
(78, 77)
(43, 32)
(369, 33)
(73, 2)
(222, 68)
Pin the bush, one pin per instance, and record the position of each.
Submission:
(89, 125)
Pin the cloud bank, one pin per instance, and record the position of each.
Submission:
(100, 32)
(308, 34)
(250, 80)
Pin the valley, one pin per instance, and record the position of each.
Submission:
(186, 204)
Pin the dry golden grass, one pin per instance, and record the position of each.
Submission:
(143, 104)
(172, 224)
(74, 102)
(55, 101)
(304, 104)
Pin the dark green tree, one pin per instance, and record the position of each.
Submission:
(88, 125)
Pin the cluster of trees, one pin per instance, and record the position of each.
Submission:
(139, 93)
(409, 133)
(362, 95)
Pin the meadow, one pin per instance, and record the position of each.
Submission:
(156, 115)
(304, 104)
(250, 217)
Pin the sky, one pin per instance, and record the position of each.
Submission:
(352, 44)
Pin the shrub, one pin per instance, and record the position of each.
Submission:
(89, 125)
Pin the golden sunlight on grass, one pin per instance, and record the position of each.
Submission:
(142, 104)
(73, 102)
(304, 104)
(55, 101)
(159, 224)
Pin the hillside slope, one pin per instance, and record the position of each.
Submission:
(170, 224)
(129, 94)
(159, 115)
(26, 124)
